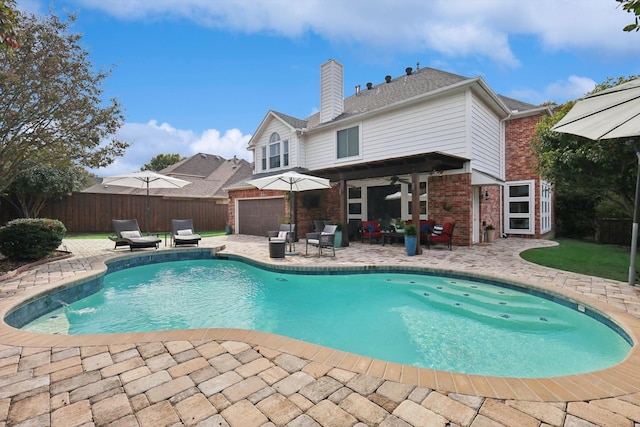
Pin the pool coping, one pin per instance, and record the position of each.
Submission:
(620, 379)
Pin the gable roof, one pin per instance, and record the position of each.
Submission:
(290, 121)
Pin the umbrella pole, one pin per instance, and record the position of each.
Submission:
(634, 230)
(148, 228)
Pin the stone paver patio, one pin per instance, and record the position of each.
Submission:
(244, 379)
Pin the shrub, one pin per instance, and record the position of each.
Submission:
(411, 230)
(31, 238)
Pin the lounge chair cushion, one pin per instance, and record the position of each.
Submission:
(130, 234)
(282, 234)
(187, 232)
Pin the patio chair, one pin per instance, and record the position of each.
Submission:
(441, 234)
(182, 233)
(370, 230)
(324, 239)
(286, 232)
(128, 234)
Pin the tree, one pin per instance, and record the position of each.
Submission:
(586, 173)
(39, 184)
(631, 6)
(51, 106)
(161, 161)
(8, 22)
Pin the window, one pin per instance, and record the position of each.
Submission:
(278, 152)
(274, 156)
(285, 153)
(349, 142)
(519, 202)
(545, 207)
(423, 199)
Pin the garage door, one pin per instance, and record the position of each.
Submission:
(257, 216)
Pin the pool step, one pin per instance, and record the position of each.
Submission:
(492, 305)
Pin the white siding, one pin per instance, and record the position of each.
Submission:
(331, 90)
(436, 125)
(487, 141)
(285, 133)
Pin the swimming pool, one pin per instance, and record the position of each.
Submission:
(446, 323)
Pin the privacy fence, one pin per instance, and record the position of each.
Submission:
(614, 231)
(88, 212)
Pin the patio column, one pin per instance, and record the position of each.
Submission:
(344, 203)
(415, 206)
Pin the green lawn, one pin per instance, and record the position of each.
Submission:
(105, 235)
(610, 262)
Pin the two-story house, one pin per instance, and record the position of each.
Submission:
(463, 147)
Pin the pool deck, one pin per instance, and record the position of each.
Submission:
(238, 378)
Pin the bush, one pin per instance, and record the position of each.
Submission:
(31, 238)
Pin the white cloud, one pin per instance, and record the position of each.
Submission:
(465, 27)
(150, 139)
(560, 91)
(573, 88)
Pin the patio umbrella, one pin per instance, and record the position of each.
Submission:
(611, 113)
(291, 182)
(145, 180)
(398, 194)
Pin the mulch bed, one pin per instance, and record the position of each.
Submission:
(10, 267)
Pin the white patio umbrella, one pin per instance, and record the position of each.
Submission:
(398, 194)
(611, 113)
(145, 180)
(291, 182)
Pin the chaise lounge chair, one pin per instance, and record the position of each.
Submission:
(182, 233)
(128, 234)
(325, 239)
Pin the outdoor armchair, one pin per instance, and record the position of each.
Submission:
(441, 234)
(324, 239)
(286, 232)
(370, 230)
(128, 234)
(182, 232)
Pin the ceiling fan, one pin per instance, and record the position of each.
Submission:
(396, 179)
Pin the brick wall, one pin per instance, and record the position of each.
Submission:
(450, 199)
(521, 160)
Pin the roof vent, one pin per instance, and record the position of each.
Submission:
(369, 85)
(357, 89)
(387, 78)
(417, 66)
(408, 70)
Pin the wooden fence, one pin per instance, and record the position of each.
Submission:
(614, 231)
(89, 212)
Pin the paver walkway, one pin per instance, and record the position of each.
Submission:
(227, 382)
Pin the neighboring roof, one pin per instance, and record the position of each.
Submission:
(198, 165)
(209, 174)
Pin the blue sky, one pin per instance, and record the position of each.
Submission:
(200, 75)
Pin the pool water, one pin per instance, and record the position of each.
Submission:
(433, 322)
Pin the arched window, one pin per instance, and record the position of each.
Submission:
(278, 152)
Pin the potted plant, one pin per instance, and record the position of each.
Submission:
(491, 233)
(411, 239)
(337, 242)
(400, 225)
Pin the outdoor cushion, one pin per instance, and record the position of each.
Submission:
(371, 228)
(437, 230)
(130, 234)
(186, 232)
(424, 228)
(282, 234)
